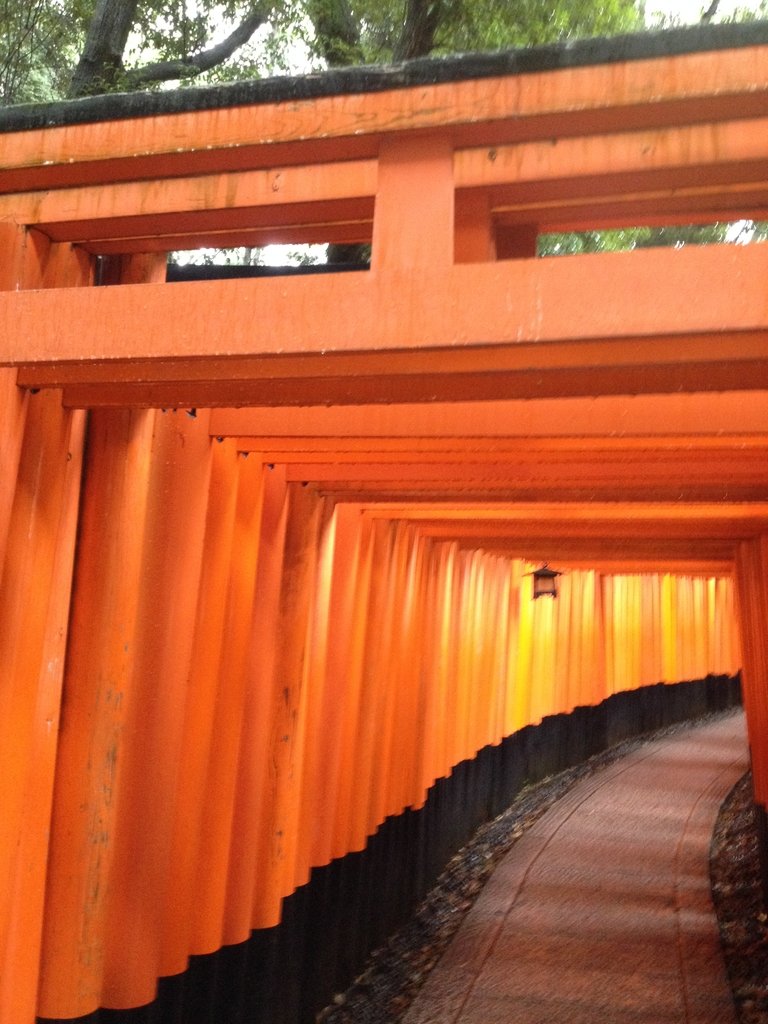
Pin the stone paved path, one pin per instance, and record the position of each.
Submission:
(601, 913)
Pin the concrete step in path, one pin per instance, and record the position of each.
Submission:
(601, 913)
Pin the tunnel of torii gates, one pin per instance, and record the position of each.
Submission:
(268, 645)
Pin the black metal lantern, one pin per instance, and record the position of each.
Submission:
(545, 581)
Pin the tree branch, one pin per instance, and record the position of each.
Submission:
(168, 70)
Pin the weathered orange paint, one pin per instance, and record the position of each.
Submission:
(150, 757)
(624, 160)
(97, 684)
(262, 499)
(331, 696)
(219, 843)
(287, 714)
(267, 695)
(487, 423)
(513, 306)
(34, 602)
(474, 235)
(129, 208)
(13, 411)
(40, 461)
(207, 635)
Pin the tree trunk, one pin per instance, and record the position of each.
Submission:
(422, 19)
(338, 39)
(101, 61)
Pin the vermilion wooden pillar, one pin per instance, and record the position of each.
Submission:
(219, 846)
(41, 447)
(98, 683)
(151, 770)
(260, 904)
(329, 696)
(17, 270)
(208, 635)
(359, 727)
(106, 681)
(34, 607)
(376, 624)
(414, 215)
(287, 709)
(474, 242)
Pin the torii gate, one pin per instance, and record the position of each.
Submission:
(418, 429)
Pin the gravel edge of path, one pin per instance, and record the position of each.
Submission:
(739, 906)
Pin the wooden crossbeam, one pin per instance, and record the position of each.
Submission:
(489, 424)
(697, 321)
(712, 169)
(697, 87)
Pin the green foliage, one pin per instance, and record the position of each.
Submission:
(178, 29)
(40, 39)
(39, 43)
(467, 25)
(674, 236)
(497, 24)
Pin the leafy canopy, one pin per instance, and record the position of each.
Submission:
(140, 43)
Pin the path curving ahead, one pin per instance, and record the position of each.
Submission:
(601, 913)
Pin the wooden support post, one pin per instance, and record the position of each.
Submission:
(475, 236)
(374, 682)
(17, 259)
(219, 843)
(105, 684)
(413, 218)
(382, 663)
(266, 694)
(287, 712)
(360, 723)
(98, 681)
(208, 636)
(516, 242)
(330, 698)
(13, 410)
(432, 707)
(257, 555)
(152, 770)
(41, 448)
(137, 268)
(408, 720)
(35, 582)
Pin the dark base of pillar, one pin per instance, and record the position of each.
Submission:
(761, 824)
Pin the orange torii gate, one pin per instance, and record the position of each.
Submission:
(264, 609)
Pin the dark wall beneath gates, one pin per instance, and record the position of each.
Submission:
(284, 975)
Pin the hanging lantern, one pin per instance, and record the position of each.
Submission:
(545, 581)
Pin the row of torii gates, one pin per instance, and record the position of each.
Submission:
(265, 543)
